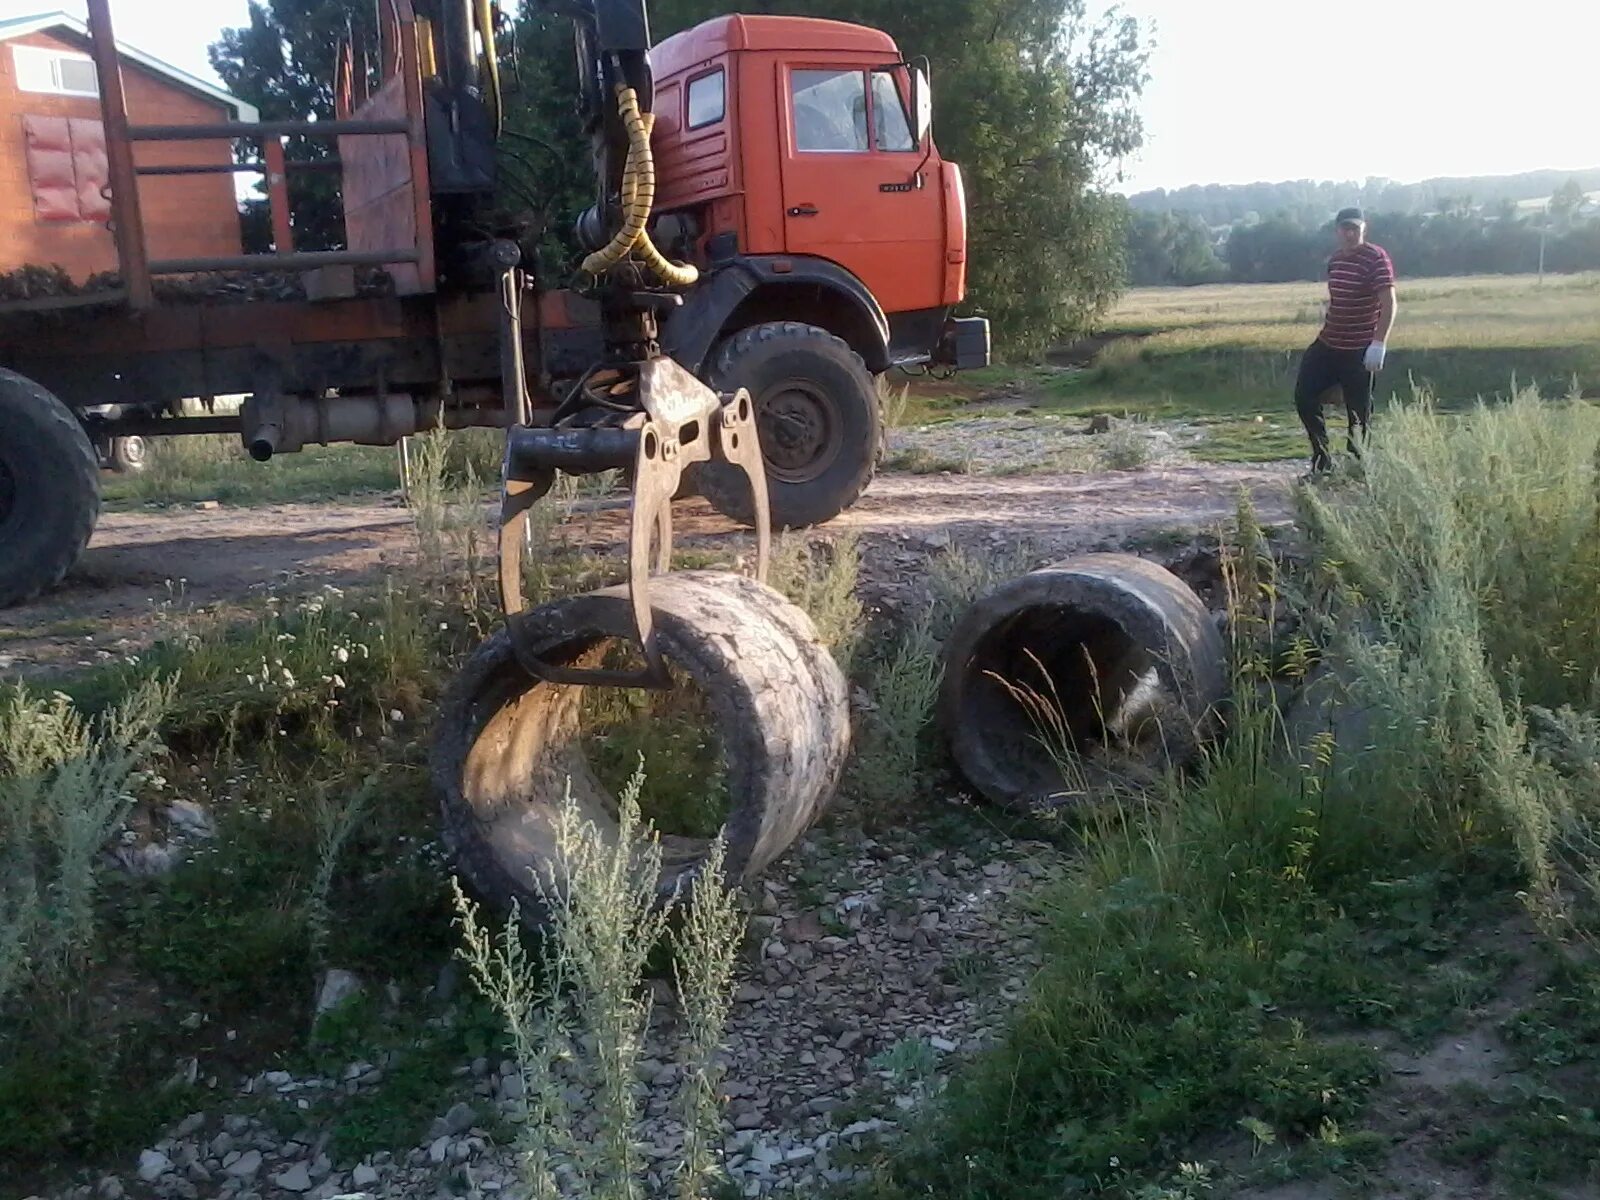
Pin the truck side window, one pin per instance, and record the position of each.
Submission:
(890, 128)
(830, 110)
(708, 101)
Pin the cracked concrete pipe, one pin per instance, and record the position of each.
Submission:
(507, 743)
(1099, 667)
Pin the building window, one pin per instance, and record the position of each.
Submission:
(58, 72)
(708, 100)
(830, 110)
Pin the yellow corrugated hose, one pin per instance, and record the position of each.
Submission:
(638, 199)
(491, 58)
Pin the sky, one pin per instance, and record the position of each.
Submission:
(1266, 90)
(175, 31)
(1248, 90)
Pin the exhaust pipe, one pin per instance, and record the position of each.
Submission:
(283, 424)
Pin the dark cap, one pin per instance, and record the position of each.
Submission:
(1348, 216)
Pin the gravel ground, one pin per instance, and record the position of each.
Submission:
(1038, 443)
(872, 967)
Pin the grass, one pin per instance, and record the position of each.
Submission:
(188, 470)
(298, 726)
(284, 726)
(1221, 359)
(676, 731)
(1214, 957)
(66, 785)
(1235, 348)
(1224, 358)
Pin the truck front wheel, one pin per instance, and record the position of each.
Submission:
(818, 415)
(49, 489)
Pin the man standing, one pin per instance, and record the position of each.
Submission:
(1349, 351)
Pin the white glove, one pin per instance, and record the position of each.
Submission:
(1373, 359)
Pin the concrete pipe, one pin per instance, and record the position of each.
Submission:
(507, 743)
(1094, 668)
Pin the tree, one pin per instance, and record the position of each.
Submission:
(1035, 101)
(1565, 201)
(283, 62)
(1276, 250)
(1033, 98)
(1171, 248)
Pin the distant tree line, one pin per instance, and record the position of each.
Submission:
(1165, 248)
(1309, 200)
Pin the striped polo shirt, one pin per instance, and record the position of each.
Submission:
(1355, 280)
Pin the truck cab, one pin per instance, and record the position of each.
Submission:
(796, 165)
(808, 140)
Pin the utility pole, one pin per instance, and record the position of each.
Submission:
(1544, 232)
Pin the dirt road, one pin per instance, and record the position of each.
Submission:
(139, 561)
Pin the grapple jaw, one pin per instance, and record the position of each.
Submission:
(655, 421)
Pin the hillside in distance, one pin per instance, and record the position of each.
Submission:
(1224, 203)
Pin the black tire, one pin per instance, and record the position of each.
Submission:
(818, 414)
(128, 455)
(49, 489)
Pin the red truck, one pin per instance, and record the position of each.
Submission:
(798, 235)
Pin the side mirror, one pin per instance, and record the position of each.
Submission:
(922, 101)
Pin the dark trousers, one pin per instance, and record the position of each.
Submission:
(1321, 368)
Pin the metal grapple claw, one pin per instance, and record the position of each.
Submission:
(659, 420)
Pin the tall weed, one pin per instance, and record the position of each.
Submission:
(66, 784)
(578, 1014)
(1465, 565)
(821, 577)
(891, 766)
(957, 577)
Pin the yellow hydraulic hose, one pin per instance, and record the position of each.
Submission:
(638, 198)
(484, 15)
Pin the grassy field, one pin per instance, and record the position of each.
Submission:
(1225, 357)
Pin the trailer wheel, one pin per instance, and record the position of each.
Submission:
(128, 455)
(49, 489)
(818, 414)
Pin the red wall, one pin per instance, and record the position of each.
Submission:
(184, 216)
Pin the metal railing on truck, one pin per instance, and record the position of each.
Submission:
(392, 191)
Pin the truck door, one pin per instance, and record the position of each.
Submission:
(857, 188)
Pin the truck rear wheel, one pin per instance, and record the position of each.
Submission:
(818, 415)
(49, 489)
